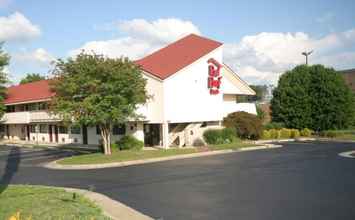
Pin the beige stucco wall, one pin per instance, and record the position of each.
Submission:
(153, 109)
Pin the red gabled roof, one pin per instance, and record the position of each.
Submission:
(172, 58)
(29, 92)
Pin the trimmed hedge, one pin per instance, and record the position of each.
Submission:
(305, 132)
(295, 133)
(128, 142)
(274, 125)
(285, 133)
(219, 136)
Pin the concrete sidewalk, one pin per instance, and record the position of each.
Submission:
(111, 208)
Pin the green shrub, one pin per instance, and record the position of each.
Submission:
(285, 133)
(295, 133)
(265, 134)
(229, 135)
(274, 134)
(306, 132)
(212, 136)
(246, 125)
(128, 142)
(114, 147)
(219, 136)
(331, 134)
(274, 125)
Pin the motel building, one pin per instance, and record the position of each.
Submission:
(191, 90)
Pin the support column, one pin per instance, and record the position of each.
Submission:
(138, 130)
(165, 136)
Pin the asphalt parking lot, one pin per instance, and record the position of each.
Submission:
(306, 180)
(29, 156)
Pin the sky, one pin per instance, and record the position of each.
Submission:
(262, 39)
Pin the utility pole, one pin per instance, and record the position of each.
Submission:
(306, 54)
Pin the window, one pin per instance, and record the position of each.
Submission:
(32, 107)
(63, 130)
(33, 128)
(98, 132)
(43, 128)
(75, 129)
(43, 106)
(119, 129)
(10, 108)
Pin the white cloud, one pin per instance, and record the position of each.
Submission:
(4, 3)
(158, 31)
(16, 27)
(143, 37)
(261, 58)
(38, 57)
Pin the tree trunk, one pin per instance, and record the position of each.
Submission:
(106, 137)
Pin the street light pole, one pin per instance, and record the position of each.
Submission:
(306, 54)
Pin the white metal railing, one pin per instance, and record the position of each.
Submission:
(28, 117)
(16, 118)
(43, 116)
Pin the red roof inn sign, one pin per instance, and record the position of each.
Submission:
(214, 76)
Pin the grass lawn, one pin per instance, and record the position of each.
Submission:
(42, 203)
(127, 155)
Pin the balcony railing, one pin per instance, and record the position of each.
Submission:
(28, 117)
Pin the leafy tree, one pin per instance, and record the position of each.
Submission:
(4, 61)
(260, 113)
(95, 90)
(260, 92)
(31, 77)
(314, 97)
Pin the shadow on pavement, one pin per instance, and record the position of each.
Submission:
(12, 164)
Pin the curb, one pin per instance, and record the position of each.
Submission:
(284, 140)
(55, 165)
(111, 208)
(347, 154)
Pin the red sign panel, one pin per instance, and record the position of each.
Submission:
(214, 76)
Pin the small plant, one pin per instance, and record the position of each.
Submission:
(274, 134)
(265, 134)
(295, 133)
(219, 136)
(306, 132)
(114, 147)
(228, 135)
(212, 136)
(129, 142)
(17, 216)
(285, 133)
